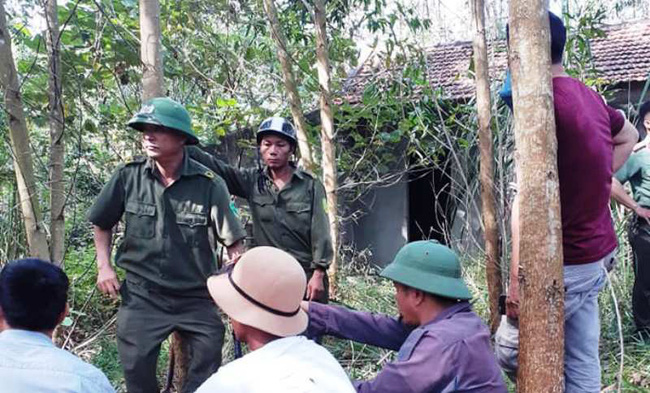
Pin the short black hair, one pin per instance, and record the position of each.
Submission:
(558, 37)
(33, 294)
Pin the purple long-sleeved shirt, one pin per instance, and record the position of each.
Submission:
(451, 353)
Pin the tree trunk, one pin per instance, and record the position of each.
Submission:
(488, 201)
(541, 334)
(330, 178)
(151, 50)
(57, 145)
(22, 156)
(290, 84)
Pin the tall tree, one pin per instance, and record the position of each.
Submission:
(488, 200)
(330, 178)
(57, 126)
(541, 334)
(290, 83)
(20, 143)
(153, 84)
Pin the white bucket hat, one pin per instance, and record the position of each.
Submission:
(263, 290)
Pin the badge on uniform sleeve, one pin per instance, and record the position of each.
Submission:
(209, 174)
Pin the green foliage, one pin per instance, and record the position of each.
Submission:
(583, 27)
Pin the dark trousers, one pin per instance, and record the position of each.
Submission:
(639, 238)
(147, 317)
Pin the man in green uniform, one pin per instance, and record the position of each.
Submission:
(287, 204)
(636, 170)
(174, 209)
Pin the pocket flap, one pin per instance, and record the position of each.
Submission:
(298, 207)
(140, 208)
(263, 200)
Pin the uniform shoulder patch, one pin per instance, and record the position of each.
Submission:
(307, 173)
(135, 160)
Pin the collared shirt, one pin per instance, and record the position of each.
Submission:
(292, 219)
(286, 365)
(451, 353)
(636, 170)
(170, 231)
(29, 362)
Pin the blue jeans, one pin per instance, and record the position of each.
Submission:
(582, 325)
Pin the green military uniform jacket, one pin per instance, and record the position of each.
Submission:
(292, 219)
(636, 170)
(170, 232)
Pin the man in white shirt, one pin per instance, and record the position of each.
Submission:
(261, 294)
(33, 296)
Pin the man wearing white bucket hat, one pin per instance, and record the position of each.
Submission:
(261, 294)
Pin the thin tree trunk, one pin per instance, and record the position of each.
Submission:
(488, 200)
(22, 156)
(541, 335)
(290, 84)
(57, 145)
(327, 134)
(151, 50)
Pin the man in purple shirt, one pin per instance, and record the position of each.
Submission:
(443, 346)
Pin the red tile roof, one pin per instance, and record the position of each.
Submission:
(622, 55)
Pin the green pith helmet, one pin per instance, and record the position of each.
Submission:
(430, 267)
(279, 126)
(165, 112)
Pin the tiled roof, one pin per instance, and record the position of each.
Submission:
(622, 55)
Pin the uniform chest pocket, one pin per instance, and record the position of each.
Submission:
(193, 228)
(263, 207)
(140, 219)
(299, 215)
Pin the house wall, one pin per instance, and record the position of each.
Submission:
(382, 228)
(628, 93)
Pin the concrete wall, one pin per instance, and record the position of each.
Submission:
(383, 226)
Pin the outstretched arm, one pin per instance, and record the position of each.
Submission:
(239, 181)
(364, 327)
